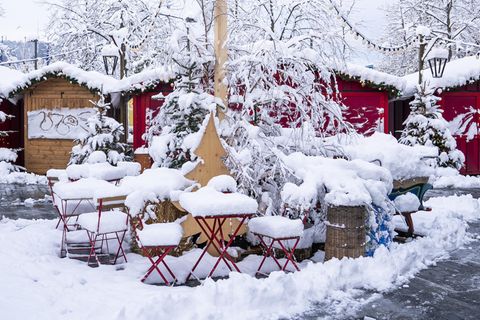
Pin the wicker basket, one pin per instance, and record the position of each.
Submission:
(345, 232)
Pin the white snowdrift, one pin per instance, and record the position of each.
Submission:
(34, 281)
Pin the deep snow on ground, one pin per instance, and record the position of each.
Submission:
(35, 282)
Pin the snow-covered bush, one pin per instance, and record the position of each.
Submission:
(104, 134)
(426, 126)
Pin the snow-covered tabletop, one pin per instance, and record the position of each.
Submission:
(88, 188)
(103, 171)
(160, 234)
(276, 227)
(209, 202)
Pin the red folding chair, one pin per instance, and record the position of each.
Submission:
(107, 223)
(277, 233)
(158, 240)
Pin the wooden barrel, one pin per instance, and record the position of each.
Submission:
(346, 235)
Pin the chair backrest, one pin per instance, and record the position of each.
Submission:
(110, 203)
(51, 182)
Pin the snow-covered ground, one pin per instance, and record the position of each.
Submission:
(36, 283)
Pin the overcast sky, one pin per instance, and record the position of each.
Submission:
(27, 18)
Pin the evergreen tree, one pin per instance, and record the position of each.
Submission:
(426, 126)
(104, 134)
(170, 135)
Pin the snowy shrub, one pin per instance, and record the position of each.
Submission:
(426, 126)
(104, 135)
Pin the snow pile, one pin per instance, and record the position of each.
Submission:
(223, 183)
(153, 185)
(276, 226)
(102, 171)
(22, 178)
(375, 76)
(111, 221)
(160, 234)
(97, 157)
(30, 270)
(83, 189)
(402, 161)
(9, 80)
(131, 168)
(449, 178)
(407, 202)
(209, 202)
(349, 183)
(147, 79)
(457, 73)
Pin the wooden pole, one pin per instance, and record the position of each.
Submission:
(221, 54)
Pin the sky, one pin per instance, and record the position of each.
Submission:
(28, 18)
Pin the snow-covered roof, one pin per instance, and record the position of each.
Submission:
(93, 80)
(146, 79)
(457, 73)
(373, 76)
(9, 80)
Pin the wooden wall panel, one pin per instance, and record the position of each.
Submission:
(44, 154)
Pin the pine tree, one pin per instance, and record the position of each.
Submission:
(104, 134)
(7, 155)
(426, 126)
(181, 115)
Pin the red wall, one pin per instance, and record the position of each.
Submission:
(455, 104)
(15, 126)
(367, 107)
(141, 103)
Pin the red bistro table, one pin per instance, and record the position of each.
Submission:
(215, 236)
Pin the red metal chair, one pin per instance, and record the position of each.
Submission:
(107, 223)
(158, 240)
(277, 233)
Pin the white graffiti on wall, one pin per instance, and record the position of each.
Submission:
(60, 123)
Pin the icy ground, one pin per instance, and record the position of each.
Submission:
(35, 283)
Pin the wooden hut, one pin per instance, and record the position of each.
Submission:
(56, 105)
(460, 102)
(366, 93)
(145, 89)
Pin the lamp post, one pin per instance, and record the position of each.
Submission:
(221, 54)
(437, 57)
(110, 56)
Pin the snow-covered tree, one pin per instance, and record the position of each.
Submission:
(283, 54)
(7, 155)
(174, 132)
(104, 134)
(83, 27)
(454, 20)
(426, 126)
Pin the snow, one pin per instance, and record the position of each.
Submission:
(103, 171)
(21, 177)
(407, 202)
(153, 185)
(223, 183)
(349, 183)
(423, 31)
(60, 174)
(276, 226)
(160, 234)
(8, 155)
(437, 53)
(403, 162)
(131, 168)
(97, 157)
(9, 80)
(110, 221)
(110, 50)
(457, 73)
(377, 77)
(453, 179)
(30, 270)
(209, 202)
(147, 79)
(81, 189)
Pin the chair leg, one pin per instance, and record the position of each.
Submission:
(289, 254)
(120, 247)
(93, 240)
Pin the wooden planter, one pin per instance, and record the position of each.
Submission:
(144, 160)
(345, 232)
(165, 211)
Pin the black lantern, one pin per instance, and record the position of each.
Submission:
(437, 60)
(110, 58)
